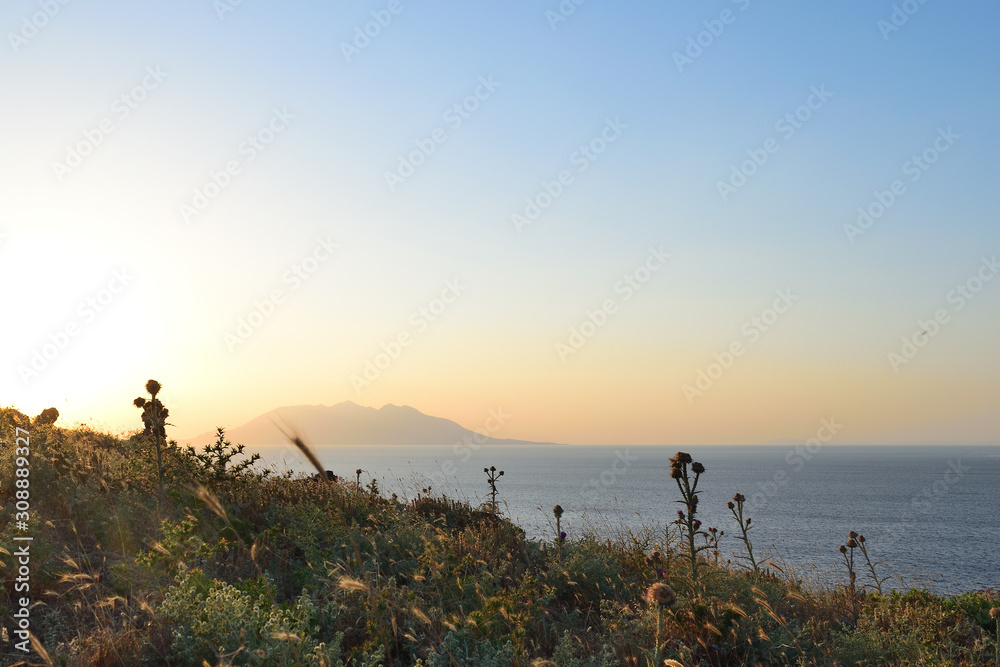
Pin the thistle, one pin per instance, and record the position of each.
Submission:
(492, 474)
(868, 563)
(689, 492)
(847, 551)
(736, 507)
(154, 416)
(557, 511)
(662, 596)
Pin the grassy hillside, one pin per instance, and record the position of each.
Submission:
(234, 566)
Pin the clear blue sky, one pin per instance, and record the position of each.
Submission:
(554, 86)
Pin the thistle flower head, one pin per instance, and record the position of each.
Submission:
(739, 497)
(562, 535)
(557, 510)
(675, 472)
(153, 387)
(852, 543)
(730, 505)
(358, 471)
(656, 557)
(697, 524)
(851, 534)
(660, 594)
(139, 402)
(843, 549)
(680, 514)
(861, 538)
(698, 468)
(682, 457)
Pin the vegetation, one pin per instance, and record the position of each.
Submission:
(240, 567)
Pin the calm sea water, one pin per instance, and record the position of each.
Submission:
(930, 514)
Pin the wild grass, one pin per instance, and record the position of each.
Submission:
(237, 566)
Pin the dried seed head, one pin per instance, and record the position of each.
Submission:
(730, 505)
(851, 534)
(139, 402)
(843, 549)
(739, 497)
(698, 468)
(682, 457)
(153, 387)
(852, 543)
(660, 594)
(861, 538)
(675, 472)
(557, 510)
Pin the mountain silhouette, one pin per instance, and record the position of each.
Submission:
(348, 423)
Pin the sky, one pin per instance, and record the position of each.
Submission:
(724, 222)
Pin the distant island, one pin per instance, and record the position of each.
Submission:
(348, 423)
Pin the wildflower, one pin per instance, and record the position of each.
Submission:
(697, 468)
(660, 572)
(739, 497)
(680, 515)
(660, 594)
(562, 535)
(697, 524)
(557, 510)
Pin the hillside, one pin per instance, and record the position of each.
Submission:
(233, 566)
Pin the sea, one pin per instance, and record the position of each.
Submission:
(930, 514)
